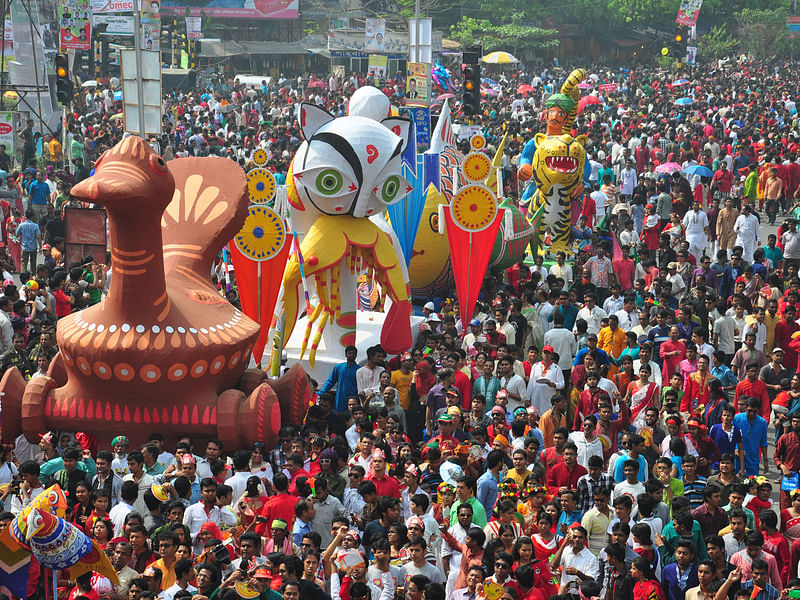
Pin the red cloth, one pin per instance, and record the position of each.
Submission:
(277, 507)
(293, 482)
(386, 485)
(560, 476)
(777, 545)
(756, 389)
(783, 337)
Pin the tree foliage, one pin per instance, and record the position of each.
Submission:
(512, 36)
(717, 43)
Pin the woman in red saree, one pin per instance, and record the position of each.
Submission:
(641, 395)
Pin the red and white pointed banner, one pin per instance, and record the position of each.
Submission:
(472, 220)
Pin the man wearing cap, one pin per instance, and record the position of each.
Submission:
(447, 427)
(468, 344)
(280, 540)
(437, 397)
(773, 372)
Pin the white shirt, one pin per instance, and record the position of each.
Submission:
(627, 320)
(169, 593)
(592, 317)
(369, 379)
(6, 332)
(725, 330)
(541, 393)
(747, 228)
(600, 203)
(564, 343)
(194, 517)
(586, 449)
(516, 385)
(584, 561)
(117, 516)
(565, 272)
(695, 223)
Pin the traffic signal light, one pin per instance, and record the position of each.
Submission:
(471, 98)
(64, 90)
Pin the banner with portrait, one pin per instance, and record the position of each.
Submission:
(76, 25)
(378, 64)
(418, 86)
(375, 35)
(688, 12)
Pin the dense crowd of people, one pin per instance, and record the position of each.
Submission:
(598, 429)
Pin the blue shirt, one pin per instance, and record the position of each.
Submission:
(570, 313)
(28, 231)
(343, 376)
(39, 192)
(725, 375)
(567, 519)
(767, 593)
(602, 355)
(675, 583)
(754, 437)
(487, 490)
(619, 469)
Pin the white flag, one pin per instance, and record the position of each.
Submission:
(443, 135)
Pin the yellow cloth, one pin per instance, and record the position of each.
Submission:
(402, 383)
(613, 343)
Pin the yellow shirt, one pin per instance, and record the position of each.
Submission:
(519, 477)
(402, 383)
(613, 342)
(55, 150)
(168, 578)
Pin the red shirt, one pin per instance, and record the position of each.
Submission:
(560, 476)
(63, 307)
(756, 389)
(783, 338)
(777, 545)
(293, 482)
(277, 507)
(386, 485)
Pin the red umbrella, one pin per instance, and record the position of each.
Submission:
(586, 101)
(525, 89)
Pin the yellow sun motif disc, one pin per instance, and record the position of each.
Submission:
(477, 142)
(261, 185)
(263, 234)
(260, 157)
(476, 167)
(474, 208)
(245, 590)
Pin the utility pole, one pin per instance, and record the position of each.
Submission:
(137, 47)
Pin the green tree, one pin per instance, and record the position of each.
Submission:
(763, 32)
(512, 36)
(717, 43)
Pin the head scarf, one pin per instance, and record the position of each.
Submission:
(425, 379)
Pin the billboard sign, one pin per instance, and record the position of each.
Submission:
(112, 6)
(237, 9)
